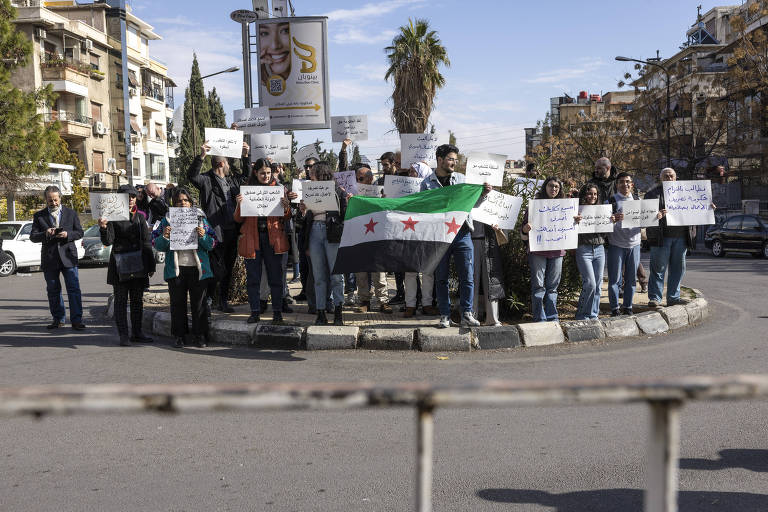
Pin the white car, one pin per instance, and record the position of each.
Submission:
(22, 251)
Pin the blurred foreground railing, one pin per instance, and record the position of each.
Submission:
(664, 396)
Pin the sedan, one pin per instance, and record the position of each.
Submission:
(22, 252)
(97, 253)
(739, 233)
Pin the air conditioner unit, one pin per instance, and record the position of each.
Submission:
(98, 128)
(132, 91)
(87, 45)
(40, 33)
(99, 180)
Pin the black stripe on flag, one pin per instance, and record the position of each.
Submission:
(390, 256)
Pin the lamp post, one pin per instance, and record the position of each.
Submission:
(666, 72)
(192, 100)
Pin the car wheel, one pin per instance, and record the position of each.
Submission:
(765, 250)
(8, 267)
(717, 249)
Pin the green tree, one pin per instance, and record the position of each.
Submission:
(216, 110)
(290, 168)
(79, 198)
(415, 57)
(328, 156)
(356, 159)
(194, 94)
(27, 143)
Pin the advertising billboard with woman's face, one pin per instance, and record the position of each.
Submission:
(293, 72)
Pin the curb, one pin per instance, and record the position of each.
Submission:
(431, 339)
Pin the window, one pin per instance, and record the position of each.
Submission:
(94, 62)
(26, 230)
(159, 131)
(95, 112)
(750, 224)
(98, 161)
(136, 167)
(733, 223)
(156, 165)
(135, 128)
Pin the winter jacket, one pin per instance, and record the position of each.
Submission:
(205, 244)
(656, 234)
(128, 236)
(304, 222)
(248, 243)
(212, 199)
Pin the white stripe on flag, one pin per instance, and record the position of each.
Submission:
(398, 225)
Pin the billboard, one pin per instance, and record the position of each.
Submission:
(293, 72)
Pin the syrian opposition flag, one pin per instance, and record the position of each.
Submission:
(406, 234)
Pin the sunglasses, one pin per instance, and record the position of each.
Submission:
(308, 166)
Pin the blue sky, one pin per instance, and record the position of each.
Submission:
(508, 57)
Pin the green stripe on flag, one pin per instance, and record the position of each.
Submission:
(461, 197)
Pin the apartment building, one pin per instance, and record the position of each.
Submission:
(77, 49)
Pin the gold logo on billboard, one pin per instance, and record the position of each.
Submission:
(308, 62)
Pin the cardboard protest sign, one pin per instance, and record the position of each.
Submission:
(109, 205)
(349, 127)
(595, 218)
(224, 142)
(498, 209)
(688, 203)
(347, 180)
(184, 224)
(401, 186)
(320, 196)
(369, 190)
(296, 186)
(261, 201)
(303, 153)
(486, 168)
(276, 147)
(552, 224)
(639, 214)
(252, 120)
(418, 147)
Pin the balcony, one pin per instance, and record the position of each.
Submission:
(66, 76)
(72, 125)
(152, 98)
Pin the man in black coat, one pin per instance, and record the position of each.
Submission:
(57, 227)
(219, 189)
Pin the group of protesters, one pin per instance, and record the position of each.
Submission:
(202, 276)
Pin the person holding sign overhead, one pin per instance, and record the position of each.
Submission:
(546, 266)
(131, 264)
(187, 271)
(263, 239)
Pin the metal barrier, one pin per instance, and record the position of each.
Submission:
(664, 396)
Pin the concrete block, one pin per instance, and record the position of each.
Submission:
(541, 333)
(386, 339)
(704, 307)
(147, 321)
(232, 332)
(651, 322)
(281, 337)
(161, 324)
(434, 339)
(331, 337)
(620, 327)
(697, 309)
(489, 337)
(583, 330)
(675, 316)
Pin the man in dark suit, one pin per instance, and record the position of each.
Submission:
(57, 227)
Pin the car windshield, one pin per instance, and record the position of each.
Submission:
(92, 232)
(8, 231)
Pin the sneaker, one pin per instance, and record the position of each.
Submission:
(200, 341)
(643, 288)
(321, 319)
(409, 312)
(467, 320)
(179, 343)
(653, 304)
(277, 318)
(675, 302)
(445, 322)
(430, 310)
(627, 311)
(384, 308)
(616, 312)
(254, 318)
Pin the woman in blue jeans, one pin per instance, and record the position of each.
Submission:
(324, 231)
(590, 259)
(546, 266)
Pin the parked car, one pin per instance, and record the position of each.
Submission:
(739, 233)
(97, 253)
(23, 252)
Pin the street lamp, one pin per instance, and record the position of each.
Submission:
(192, 100)
(666, 72)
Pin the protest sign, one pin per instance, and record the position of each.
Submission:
(688, 203)
(486, 168)
(271, 145)
(224, 142)
(552, 224)
(595, 218)
(401, 186)
(293, 72)
(111, 206)
(252, 120)
(369, 190)
(526, 186)
(296, 186)
(261, 201)
(418, 147)
(303, 153)
(347, 180)
(349, 127)
(183, 228)
(320, 196)
(498, 209)
(639, 214)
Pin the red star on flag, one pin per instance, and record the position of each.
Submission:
(369, 226)
(453, 227)
(409, 224)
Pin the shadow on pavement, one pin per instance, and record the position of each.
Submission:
(753, 460)
(627, 500)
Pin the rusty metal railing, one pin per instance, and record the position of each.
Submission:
(664, 396)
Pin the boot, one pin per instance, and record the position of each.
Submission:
(124, 341)
(337, 320)
(201, 342)
(277, 318)
(286, 307)
(321, 319)
(179, 343)
(140, 337)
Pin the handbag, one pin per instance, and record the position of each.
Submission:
(334, 226)
(130, 265)
(217, 266)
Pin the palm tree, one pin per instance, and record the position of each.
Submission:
(414, 58)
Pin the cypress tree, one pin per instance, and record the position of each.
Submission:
(356, 155)
(216, 109)
(194, 93)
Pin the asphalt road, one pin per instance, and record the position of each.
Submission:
(563, 459)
